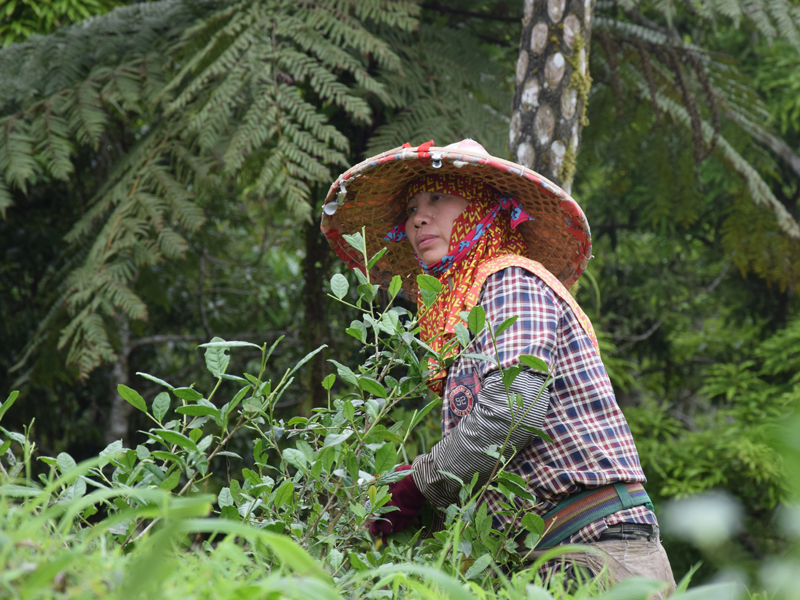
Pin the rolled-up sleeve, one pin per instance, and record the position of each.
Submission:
(510, 293)
(463, 452)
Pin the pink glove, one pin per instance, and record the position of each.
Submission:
(405, 496)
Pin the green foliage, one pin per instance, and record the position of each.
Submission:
(450, 88)
(20, 19)
(242, 100)
(133, 522)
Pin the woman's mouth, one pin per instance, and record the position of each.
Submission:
(425, 241)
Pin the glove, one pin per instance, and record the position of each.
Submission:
(405, 496)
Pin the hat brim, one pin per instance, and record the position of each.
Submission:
(367, 195)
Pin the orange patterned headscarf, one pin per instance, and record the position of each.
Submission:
(497, 237)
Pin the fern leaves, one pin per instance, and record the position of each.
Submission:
(239, 97)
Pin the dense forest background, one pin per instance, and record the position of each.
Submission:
(162, 167)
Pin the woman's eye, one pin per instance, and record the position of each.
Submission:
(410, 210)
(436, 197)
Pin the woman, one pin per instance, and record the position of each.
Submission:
(495, 234)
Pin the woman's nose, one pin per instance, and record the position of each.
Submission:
(422, 216)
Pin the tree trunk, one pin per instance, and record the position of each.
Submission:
(315, 330)
(117, 424)
(551, 88)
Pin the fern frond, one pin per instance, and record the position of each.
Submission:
(760, 191)
(5, 197)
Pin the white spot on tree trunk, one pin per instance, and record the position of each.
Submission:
(522, 66)
(571, 28)
(557, 152)
(554, 70)
(582, 62)
(530, 94)
(569, 102)
(587, 13)
(528, 11)
(539, 37)
(543, 125)
(513, 129)
(526, 155)
(555, 9)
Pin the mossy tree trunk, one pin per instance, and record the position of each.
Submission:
(551, 88)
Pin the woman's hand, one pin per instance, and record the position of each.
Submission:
(407, 498)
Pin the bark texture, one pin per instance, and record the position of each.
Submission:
(117, 424)
(315, 330)
(551, 87)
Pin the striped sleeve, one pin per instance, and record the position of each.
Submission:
(462, 452)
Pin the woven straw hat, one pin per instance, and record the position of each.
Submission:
(368, 194)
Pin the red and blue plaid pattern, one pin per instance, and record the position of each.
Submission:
(593, 446)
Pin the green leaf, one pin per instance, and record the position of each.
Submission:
(155, 380)
(535, 363)
(305, 359)
(161, 405)
(171, 482)
(296, 458)
(376, 257)
(356, 240)
(356, 563)
(65, 462)
(421, 415)
(510, 374)
(538, 432)
(482, 357)
(173, 437)
(346, 373)
(132, 396)
(505, 325)
(327, 383)
(360, 332)
(479, 566)
(334, 439)
(372, 387)
(113, 449)
(284, 493)
(483, 522)
(533, 523)
(394, 286)
(385, 458)
(227, 453)
(188, 394)
(198, 410)
(429, 283)
(348, 410)
(7, 404)
(520, 491)
(217, 358)
(428, 297)
(225, 497)
(462, 335)
(477, 319)
(225, 344)
(339, 285)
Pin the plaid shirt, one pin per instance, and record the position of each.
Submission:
(592, 444)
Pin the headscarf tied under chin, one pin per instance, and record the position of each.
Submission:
(484, 231)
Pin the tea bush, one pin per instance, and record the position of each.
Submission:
(134, 522)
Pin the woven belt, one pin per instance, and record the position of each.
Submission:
(578, 510)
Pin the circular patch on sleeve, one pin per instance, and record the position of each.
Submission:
(461, 400)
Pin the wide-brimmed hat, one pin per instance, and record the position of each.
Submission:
(370, 195)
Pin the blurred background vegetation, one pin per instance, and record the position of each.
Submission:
(162, 166)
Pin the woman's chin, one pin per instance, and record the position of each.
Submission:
(429, 259)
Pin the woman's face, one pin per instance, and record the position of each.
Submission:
(430, 223)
